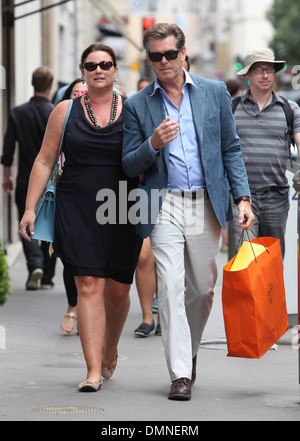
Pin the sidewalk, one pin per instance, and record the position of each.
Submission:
(40, 369)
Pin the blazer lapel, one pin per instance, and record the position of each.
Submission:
(197, 98)
(158, 115)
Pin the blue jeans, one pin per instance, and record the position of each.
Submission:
(36, 253)
(271, 211)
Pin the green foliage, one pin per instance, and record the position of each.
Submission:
(285, 18)
(5, 287)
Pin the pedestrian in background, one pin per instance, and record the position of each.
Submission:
(146, 285)
(187, 63)
(179, 133)
(75, 90)
(234, 87)
(263, 132)
(26, 127)
(143, 82)
(101, 255)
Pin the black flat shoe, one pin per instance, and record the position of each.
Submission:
(89, 386)
(144, 329)
(158, 329)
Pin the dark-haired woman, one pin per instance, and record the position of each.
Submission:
(102, 255)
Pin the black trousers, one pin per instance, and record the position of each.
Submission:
(36, 252)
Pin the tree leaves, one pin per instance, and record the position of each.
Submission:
(285, 18)
(5, 287)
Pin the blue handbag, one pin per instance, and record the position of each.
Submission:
(44, 226)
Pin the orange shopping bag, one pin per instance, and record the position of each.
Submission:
(254, 304)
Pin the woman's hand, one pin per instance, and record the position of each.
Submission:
(27, 225)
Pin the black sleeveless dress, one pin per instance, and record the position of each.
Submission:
(92, 234)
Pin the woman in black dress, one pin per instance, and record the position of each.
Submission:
(100, 250)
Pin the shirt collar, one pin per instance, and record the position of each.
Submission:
(275, 98)
(188, 80)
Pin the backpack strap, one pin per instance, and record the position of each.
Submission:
(289, 115)
(235, 102)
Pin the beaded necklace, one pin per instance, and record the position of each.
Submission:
(89, 109)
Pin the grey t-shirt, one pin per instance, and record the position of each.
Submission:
(264, 141)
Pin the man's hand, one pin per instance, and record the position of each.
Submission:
(246, 216)
(165, 133)
(7, 185)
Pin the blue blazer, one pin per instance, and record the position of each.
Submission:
(219, 147)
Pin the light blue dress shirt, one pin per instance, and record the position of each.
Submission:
(185, 166)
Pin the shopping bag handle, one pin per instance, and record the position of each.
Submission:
(242, 238)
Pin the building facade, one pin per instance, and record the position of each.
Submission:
(35, 33)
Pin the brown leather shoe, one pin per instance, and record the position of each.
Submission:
(181, 390)
(194, 370)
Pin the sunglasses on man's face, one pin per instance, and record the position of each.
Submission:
(104, 65)
(157, 56)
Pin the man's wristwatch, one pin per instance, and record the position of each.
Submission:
(243, 198)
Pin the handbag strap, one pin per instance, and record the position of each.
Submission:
(242, 238)
(64, 128)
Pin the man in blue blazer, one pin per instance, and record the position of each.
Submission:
(180, 138)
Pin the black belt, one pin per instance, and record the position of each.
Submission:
(261, 192)
(268, 190)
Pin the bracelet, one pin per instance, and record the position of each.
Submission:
(243, 198)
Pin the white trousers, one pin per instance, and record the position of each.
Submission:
(185, 243)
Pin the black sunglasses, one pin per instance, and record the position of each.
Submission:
(104, 65)
(157, 56)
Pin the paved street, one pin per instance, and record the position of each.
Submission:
(40, 369)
